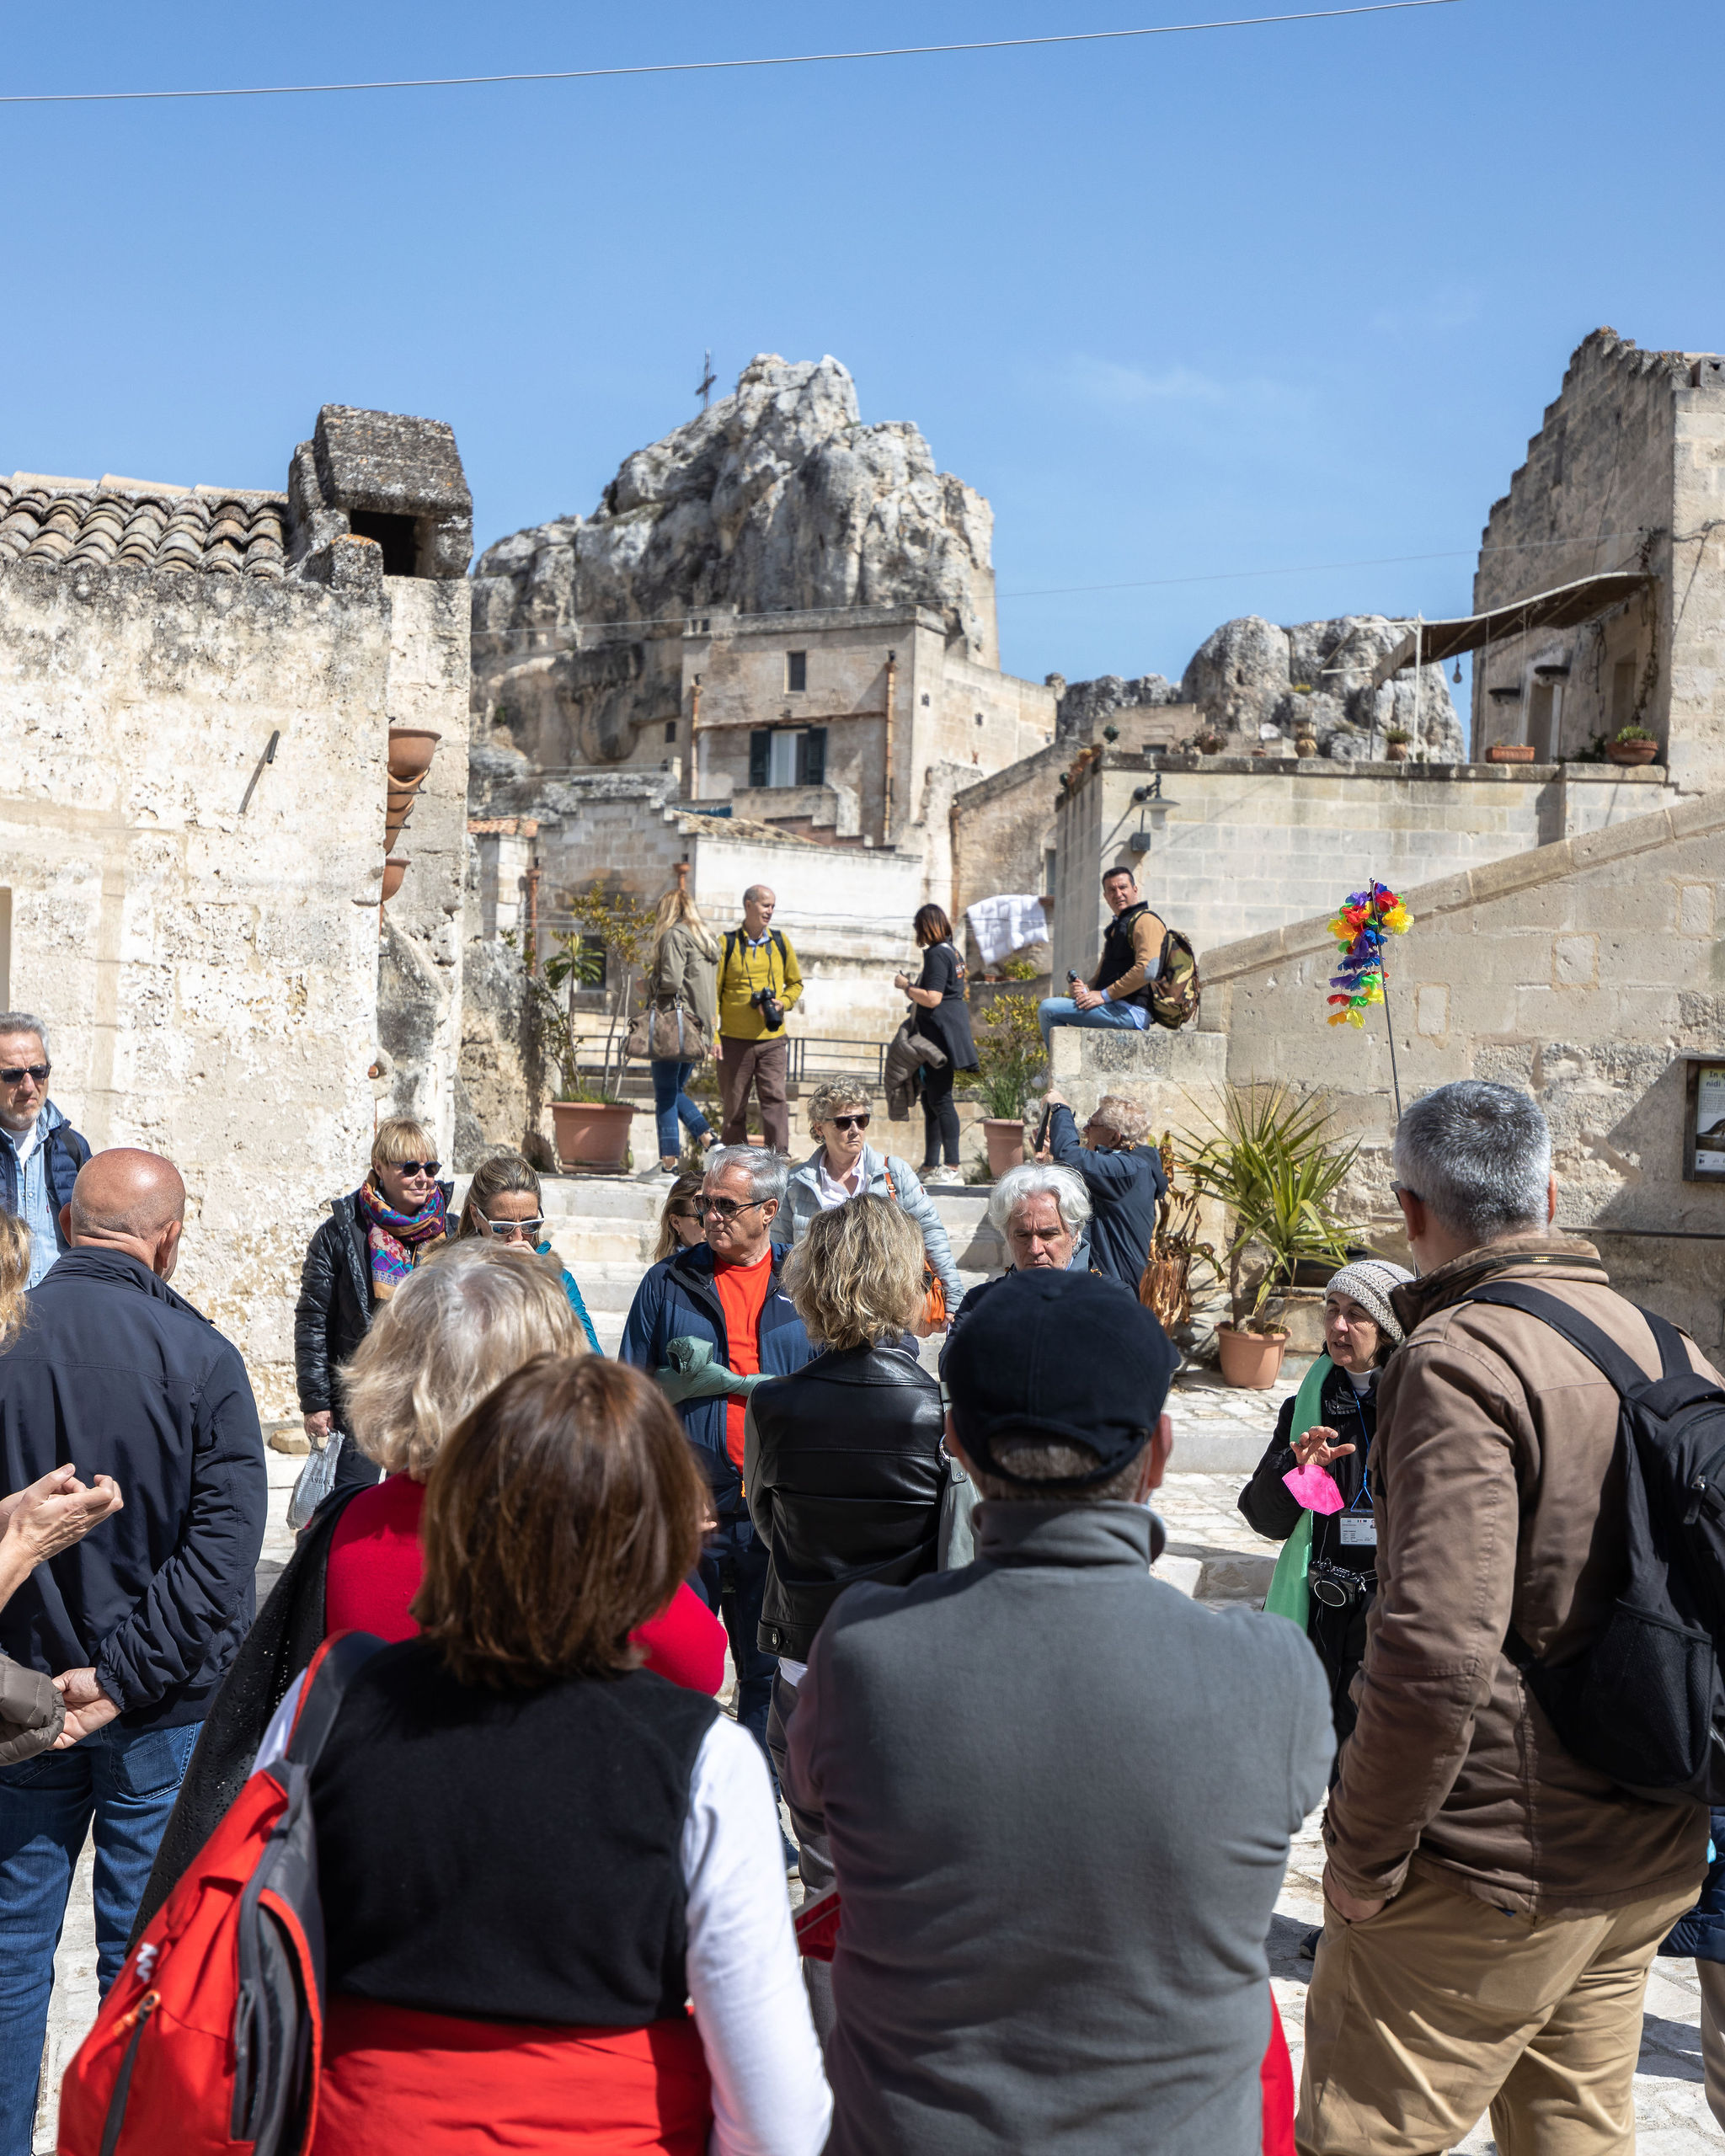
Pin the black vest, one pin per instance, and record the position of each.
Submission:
(1117, 956)
(508, 1856)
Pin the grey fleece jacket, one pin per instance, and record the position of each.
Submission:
(1059, 1797)
(803, 1202)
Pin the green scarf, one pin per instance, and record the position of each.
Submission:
(1288, 1596)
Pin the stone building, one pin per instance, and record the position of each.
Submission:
(196, 687)
(778, 605)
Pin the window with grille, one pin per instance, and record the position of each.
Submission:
(796, 670)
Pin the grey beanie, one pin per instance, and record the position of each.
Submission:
(1369, 1282)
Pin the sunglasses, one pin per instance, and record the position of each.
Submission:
(19, 1071)
(850, 1122)
(686, 1212)
(727, 1208)
(517, 1231)
(415, 1167)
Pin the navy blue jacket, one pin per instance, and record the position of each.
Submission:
(64, 1152)
(1125, 1189)
(114, 1373)
(677, 1300)
(1699, 1933)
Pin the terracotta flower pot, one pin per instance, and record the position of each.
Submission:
(1396, 752)
(1510, 752)
(401, 792)
(394, 868)
(394, 824)
(1631, 752)
(1004, 1136)
(411, 749)
(1305, 746)
(1251, 1360)
(591, 1133)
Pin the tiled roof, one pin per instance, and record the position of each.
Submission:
(71, 522)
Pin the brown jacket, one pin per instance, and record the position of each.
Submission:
(32, 1713)
(1496, 1499)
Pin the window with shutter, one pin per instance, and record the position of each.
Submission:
(811, 757)
(759, 754)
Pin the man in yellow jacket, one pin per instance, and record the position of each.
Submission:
(758, 963)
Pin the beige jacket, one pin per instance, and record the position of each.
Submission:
(1493, 1483)
(687, 973)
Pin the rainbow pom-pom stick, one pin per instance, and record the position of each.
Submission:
(1366, 919)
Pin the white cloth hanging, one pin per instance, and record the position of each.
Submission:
(1005, 924)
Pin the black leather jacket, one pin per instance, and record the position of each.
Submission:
(843, 1477)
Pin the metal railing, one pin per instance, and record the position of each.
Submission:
(811, 1057)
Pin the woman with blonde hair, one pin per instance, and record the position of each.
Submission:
(842, 1464)
(506, 1205)
(356, 1260)
(682, 992)
(457, 1329)
(679, 1222)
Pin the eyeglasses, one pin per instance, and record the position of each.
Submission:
(850, 1123)
(20, 1071)
(517, 1231)
(727, 1208)
(415, 1167)
(686, 1212)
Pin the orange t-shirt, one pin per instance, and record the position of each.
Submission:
(742, 1294)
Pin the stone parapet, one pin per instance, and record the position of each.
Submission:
(1174, 1077)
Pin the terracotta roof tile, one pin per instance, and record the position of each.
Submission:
(212, 530)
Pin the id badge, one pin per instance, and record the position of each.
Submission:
(1359, 1531)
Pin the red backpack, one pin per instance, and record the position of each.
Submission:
(211, 2038)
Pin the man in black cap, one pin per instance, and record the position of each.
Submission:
(1059, 1795)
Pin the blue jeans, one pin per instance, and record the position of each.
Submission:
(671, 1103)
(734, 1564)
(127, 1780)
(1061, 1010)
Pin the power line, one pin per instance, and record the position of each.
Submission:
(715, 66)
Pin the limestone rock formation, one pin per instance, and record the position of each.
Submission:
(775, 498)
(1243, 676)
(1086, 705)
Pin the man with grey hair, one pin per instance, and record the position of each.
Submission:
(1492, 1903)
(758, 983)
(720, 1303)
(1059, 1794)
(1041, 1215)
(41, 1153)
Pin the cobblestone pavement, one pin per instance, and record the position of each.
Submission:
(1212, 1555)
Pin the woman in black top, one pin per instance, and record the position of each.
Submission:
(1361, 1331)
(943, 1017)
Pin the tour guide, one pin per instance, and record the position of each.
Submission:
(759, 981)
(1119, 993)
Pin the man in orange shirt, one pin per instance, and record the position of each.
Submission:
(725, 1291)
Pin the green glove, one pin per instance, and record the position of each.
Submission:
(691, 1373)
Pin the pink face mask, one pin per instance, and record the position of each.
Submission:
(1315, 1486)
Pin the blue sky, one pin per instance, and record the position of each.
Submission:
(1206, 308)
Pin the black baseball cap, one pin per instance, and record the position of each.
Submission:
(1065, 1358)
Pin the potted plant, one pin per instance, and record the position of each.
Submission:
(1631, 744)
(1395, 741)
(1510, 752)
(1274, 1162)
(591, 1124)
(1165, 1287)
(1305, 743)
(1209, 745)
(1010, 1057)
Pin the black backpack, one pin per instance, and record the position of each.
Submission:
(1644, 1703)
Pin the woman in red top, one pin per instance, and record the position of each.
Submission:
(456, 1328)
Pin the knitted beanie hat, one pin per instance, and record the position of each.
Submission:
(1369, 1283)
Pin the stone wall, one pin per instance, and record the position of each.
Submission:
(199, 925)
(1627, 471)
(1246, 843)
(1585, 970)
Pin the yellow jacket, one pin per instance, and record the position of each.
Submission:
(743, 968)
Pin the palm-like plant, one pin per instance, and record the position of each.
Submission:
(1274, 1161)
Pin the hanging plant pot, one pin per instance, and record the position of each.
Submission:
(1631, 752)
(393, 826)
(1004, 1137)
(1252, 1361)
(394, 868)
(591, 1133)
(411, 749)
(1510, 752)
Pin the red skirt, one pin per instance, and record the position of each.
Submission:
(396, 2078)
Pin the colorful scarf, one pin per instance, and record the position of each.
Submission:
(397, 1241)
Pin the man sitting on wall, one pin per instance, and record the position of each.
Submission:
(758, 983)
(1118, 995)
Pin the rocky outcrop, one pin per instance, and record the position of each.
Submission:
(1086, 705)
(1249, 674)
(778, 498)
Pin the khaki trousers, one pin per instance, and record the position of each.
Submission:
(1441, 2007)
(761, 1063)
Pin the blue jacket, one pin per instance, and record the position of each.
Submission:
(64, 1152)
(116, 1374)
(677, 1300)
(1124, 1187)
(574, 1293)
(1698, 1935)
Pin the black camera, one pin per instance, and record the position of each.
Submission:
(772, 1012)
(1336, 1587)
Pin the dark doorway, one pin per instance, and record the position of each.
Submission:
(397, 536)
